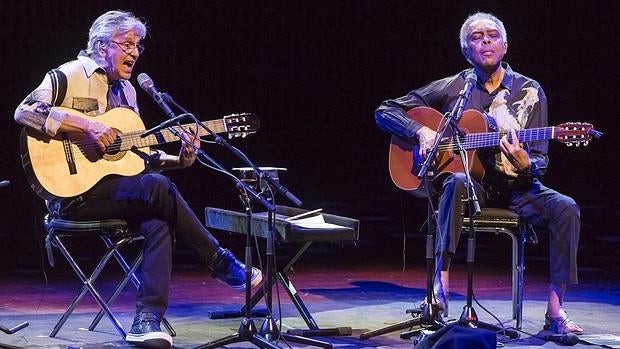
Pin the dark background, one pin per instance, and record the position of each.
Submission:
(314, 72)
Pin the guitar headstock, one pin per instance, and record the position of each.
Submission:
(575, 133)
(241, 125)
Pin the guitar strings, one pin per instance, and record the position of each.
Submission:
(479, 140)
(87, 146)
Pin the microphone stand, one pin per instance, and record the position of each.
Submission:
(428, 317)
(247, 330)
(468, 317)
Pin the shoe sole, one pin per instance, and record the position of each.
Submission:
(156, 340)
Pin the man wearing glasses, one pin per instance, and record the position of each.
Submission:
(97, 81)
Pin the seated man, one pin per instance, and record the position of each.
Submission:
(510, 101)
(97, 81)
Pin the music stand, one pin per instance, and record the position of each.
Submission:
(247, 329)
(288, 232)
(269, 330)
(269, 327)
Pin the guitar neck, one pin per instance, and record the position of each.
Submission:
(492, 139)
(134, 140)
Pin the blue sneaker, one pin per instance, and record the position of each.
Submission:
(146, 333)
(229, 270)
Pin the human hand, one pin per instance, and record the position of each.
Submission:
(518, 157)
(187, 155)
(103, 135)
(426, 139)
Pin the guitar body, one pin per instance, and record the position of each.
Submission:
(69, 164)
(405, 161)
(44, 158)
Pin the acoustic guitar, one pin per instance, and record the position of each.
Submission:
(405, 162)
(68, 165)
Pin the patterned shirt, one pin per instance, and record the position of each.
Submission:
(519, 102)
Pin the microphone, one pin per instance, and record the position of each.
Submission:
(149, 86)
(566, 339)
(470, 82)
(471, 77)
(163, 125)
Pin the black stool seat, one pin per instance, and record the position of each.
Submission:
(492, 217)
(108, 226)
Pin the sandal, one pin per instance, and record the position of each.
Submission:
(561, 325)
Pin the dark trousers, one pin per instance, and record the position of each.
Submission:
(536, 204)
(152, 205)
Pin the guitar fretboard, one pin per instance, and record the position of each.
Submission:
(491, 139)
(130, 140)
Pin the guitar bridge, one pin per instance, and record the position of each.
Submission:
(66, 145)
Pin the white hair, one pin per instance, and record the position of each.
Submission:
(111, 23)
(478, 16)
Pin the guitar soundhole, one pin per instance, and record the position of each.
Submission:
(113, 152)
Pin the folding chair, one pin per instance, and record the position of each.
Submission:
(115, 234)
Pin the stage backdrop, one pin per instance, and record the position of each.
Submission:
(313, 72)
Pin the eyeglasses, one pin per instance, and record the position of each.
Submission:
(128, 47)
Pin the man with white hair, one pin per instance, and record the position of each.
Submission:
(97, 81)
(509, 101)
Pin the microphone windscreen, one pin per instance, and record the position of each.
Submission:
(144, 81)
(471, 76)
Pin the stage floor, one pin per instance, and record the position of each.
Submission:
(363, 296)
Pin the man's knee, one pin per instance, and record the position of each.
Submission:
(155, 182)
(158, 189)
(454, 184)
(455, 179)
(567, 207)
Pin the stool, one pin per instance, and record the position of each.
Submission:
(115, 234)
(496, 221)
